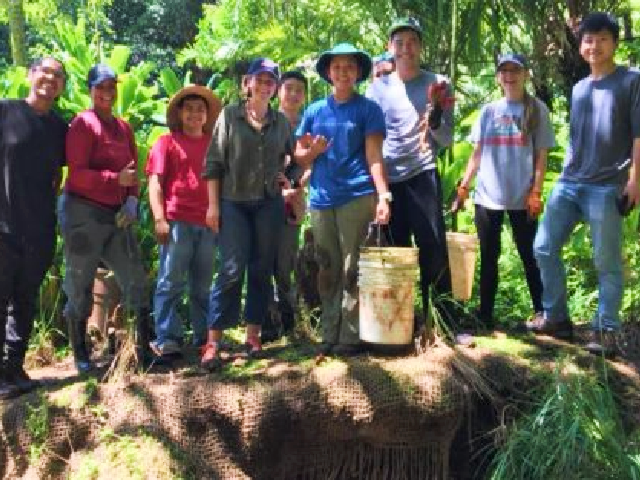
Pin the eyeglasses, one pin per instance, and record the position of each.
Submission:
(54, 72)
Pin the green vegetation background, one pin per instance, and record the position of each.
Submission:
(157, 46)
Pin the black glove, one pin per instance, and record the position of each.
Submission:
(435, 117)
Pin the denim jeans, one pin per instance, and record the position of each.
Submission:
(568, 204)
(186, 260)
(249, 232)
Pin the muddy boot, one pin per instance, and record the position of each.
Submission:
(77, 339)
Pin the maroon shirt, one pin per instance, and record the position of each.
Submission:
(179, 160)
(97, 150)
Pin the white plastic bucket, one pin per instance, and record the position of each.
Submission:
(387, 279)
(462, 249)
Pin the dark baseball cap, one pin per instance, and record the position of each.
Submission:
(99, 73)
(405, 23)
(516, 58)
(266, 65)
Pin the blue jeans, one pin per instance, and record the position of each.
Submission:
(186, 259)
(568, 204)
(249, 233)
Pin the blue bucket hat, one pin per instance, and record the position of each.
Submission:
(266, 65)
(99, 73)
(362, 57)
(516, 58)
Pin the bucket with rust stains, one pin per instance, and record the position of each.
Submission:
(387, 281)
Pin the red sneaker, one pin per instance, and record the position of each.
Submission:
(209, 356)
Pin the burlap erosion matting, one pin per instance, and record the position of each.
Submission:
(362, 418)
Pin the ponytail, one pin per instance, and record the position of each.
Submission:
(531, 115)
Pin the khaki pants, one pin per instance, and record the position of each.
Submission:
(339, 233)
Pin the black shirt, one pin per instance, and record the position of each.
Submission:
(31, 154)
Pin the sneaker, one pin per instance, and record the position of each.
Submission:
(253, 346)
(19, 378)
(209, 356)
(84, 366)
(168, 348)
(604, 343)
(562, 330)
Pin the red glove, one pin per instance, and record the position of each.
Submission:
(438, 102)
(534, 204)
(437, 95)
(462, 193)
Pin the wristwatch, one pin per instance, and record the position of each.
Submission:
(386, 196)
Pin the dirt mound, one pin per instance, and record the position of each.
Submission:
(357, 419)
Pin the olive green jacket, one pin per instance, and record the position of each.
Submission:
(245, 160)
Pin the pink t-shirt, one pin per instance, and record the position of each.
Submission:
(97, 151)
(179, 159)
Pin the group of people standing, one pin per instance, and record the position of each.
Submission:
(598, 183)
(233, 178)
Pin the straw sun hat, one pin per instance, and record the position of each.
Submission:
(214, 107)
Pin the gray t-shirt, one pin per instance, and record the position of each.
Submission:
(605, 120)
(404, 105)
(507, 155)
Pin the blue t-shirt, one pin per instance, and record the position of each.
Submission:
(341, 173)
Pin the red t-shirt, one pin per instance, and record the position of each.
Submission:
(96, 153)
(179, 159)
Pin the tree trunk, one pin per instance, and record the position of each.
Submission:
(18, 32)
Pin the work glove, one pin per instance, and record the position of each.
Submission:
(438, 101)
(534, 204)
(128, 213)
(462, 193)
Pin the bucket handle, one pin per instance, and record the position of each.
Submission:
(377, 237)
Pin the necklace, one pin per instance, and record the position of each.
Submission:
(255, 117)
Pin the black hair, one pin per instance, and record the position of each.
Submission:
(192, 96)
(297, 74)
(598, 21)
(37, 62)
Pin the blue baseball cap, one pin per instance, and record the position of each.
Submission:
(266, 65)
(383, 57)
(516, 58)
(99, 73)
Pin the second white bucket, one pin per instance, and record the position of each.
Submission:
(387, 280)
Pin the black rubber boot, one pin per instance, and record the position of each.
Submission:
(77, 339)
(14, 373)
(7, 389)
(142, 338)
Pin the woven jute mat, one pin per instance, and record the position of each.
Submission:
(359, 418)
